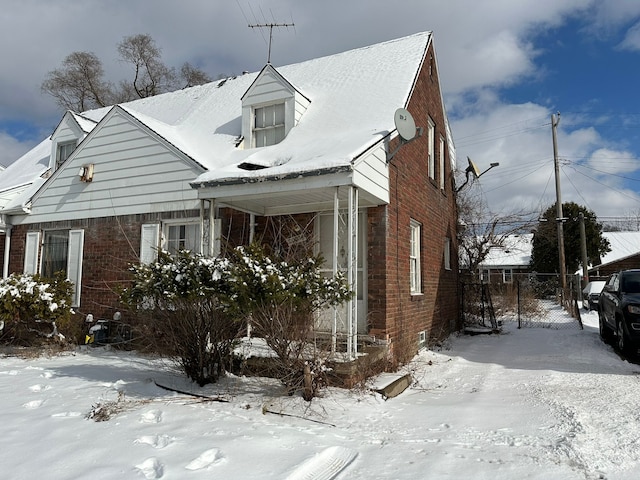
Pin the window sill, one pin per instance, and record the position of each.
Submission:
(417, 297)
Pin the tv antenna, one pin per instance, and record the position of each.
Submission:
(270, 27)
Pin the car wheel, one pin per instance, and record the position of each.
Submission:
(623, 342)
(605, 331)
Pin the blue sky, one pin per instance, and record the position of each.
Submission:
(505, 67)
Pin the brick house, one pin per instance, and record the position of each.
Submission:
(296, 154)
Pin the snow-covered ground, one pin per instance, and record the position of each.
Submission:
(529, 403)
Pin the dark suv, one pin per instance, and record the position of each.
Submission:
(619, 310)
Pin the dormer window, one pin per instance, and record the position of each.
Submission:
(64, 151)
(269, 125)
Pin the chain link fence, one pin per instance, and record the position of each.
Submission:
(531, 300)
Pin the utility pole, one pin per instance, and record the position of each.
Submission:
(270, 27)
(559, 217)
(583, 248)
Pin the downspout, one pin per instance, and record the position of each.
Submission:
(7, 249)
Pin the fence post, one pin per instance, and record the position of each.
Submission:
(518, 301)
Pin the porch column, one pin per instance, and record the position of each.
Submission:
(252, 227)
(212, 227)
(352, 273)
(334, 262)
(202, 229)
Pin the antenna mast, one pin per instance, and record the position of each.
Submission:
(270, 27)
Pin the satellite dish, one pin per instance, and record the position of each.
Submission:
(473, 168)
(405, 125)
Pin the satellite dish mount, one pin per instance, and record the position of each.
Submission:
(406, 128)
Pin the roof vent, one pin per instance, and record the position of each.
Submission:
(250, 166)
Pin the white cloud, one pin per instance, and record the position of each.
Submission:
(11, 149)
(481, 46)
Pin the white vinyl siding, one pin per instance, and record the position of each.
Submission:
(414, 258)
(134, 173)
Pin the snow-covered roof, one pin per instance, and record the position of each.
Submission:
(353, 99)
(623, 244)
(516, 252)
(31, 165)
(517, 249)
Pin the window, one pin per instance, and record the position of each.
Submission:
(484, 276)
(447, 254)
(414, 258)
(55, 247)
(268, 126)
(507, 275)
(183, 237)
(441, 163)
(62, 250)
(431, 138)
(64, 150)
(176, 236)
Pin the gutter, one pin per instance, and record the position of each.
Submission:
(271, 178)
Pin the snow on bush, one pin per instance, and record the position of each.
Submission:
(198, 306)
(31, 306)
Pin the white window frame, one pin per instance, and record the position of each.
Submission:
(485, 275)
(270, 130)
(447, 253)
(415, 240)
(431, 129)
(64, 151)
(507, 275)
(75, 248)
(441, 163)
(167, 227)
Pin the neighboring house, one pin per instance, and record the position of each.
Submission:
(505, 262)
(624, 254)
(291, 155)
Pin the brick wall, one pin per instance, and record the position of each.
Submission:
(396, 314)
(111, 244)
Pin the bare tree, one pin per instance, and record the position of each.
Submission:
(481, 229)
(193, 76)
(151, 76)
(79, 83)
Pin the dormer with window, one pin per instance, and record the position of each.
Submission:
(65, 138)
(271, 107)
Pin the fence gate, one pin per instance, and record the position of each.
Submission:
(531, 300)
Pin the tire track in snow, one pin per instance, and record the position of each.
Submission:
(594, 434)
